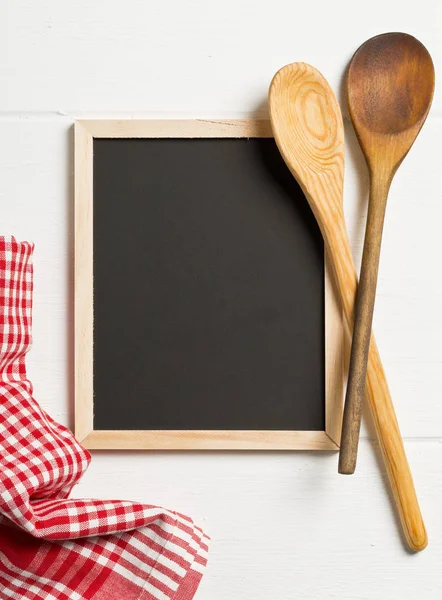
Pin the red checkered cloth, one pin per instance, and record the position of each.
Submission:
(53, 547)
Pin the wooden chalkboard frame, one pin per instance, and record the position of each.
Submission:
(85, 132)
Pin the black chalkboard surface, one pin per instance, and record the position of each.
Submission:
(208, 289)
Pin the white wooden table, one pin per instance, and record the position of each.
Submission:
(283, 525)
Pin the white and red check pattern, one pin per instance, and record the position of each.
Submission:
(53, 547)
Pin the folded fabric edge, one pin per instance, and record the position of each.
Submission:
(189, 579)
(175, 573)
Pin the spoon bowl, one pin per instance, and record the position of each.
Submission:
(390, 83)
(312, 139)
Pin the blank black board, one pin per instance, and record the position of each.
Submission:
(208, 288)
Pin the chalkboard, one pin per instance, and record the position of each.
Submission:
(208, 295)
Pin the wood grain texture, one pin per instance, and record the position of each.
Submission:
(176, 128)
(336, 351)
(390, 87)
(308, 129)
(209, 440)
(85, 131)
(83, 294)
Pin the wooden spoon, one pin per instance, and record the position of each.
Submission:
(390, 87)
(307, 125)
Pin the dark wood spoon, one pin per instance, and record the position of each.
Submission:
(390, 87)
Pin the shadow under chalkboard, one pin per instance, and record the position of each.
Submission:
(208, 289)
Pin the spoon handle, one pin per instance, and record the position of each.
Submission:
(378, 398)
(362, 326)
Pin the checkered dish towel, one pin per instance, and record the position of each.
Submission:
(53, 547)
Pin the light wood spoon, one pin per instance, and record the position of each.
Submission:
(307, 125)
(389, 87)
